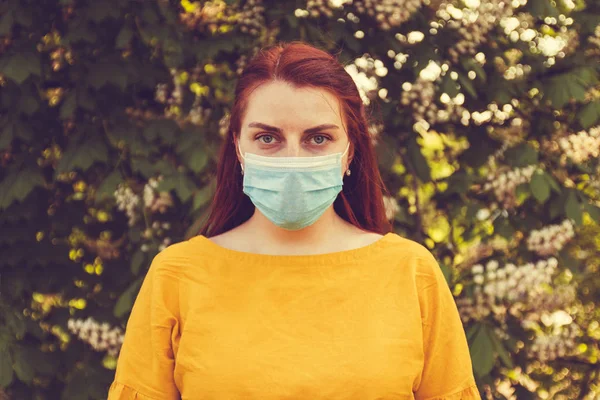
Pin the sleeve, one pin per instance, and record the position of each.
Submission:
(146, 360)
(447, 371)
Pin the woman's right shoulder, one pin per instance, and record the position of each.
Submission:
(181, 257)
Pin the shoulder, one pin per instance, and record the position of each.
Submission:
(175, 258)
(419, 260)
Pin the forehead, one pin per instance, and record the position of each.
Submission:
(285, 106)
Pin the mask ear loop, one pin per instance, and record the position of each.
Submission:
(244, 157)
(343, 154)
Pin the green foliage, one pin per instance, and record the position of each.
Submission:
(110, 120)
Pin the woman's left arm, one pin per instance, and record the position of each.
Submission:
(447, 372)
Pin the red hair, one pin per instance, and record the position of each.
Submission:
(361, 200)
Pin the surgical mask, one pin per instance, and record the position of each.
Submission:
(293, 192)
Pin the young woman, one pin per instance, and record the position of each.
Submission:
(295, 288)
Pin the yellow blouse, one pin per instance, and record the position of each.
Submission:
(376, 322)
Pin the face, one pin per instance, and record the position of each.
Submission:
(284, 121)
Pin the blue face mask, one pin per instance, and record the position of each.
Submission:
(293, 192)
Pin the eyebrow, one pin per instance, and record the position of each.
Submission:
(278, 130)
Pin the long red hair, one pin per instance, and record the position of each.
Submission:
(361, 200)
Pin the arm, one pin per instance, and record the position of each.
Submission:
(447, 371)
(146, 361)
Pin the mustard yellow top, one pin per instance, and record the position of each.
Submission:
(376, 322)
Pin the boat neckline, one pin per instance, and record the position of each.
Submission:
(316, 259)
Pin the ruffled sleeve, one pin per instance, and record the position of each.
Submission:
(147, 358)
(447, 371)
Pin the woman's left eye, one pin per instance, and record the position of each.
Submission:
(320, 139)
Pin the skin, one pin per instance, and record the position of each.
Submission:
(294, 110)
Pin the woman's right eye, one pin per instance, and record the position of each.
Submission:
(269, 139)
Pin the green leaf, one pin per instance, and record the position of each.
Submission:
(6, 24)
(28, 104)
(500, 349)
(123, 37)
(165, 129)
(7, 134)
(68, 105)
(573, 208)
(6, 368)
(541, 8)
(466, 83)
(180, 183)
(592, 210)
(589, 114)
(204, 195)
(127, 298)
(82, 156)
(103, 73)
(15, 322)
(521, 155)
(137, 261)
(560, 89)
(195, 158)
(449, 86)
(482, 352)
(447, 271)
(540, 187)
(109, 185)
(17, 186)
(20, 66)
(552, 182)
(417, 161)
(23, 365)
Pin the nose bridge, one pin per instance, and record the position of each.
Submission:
(293, 147)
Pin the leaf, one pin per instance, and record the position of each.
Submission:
(125, 301)
(195, 158)
(15, 322)
(573, 208)
(204, 195)
(541, 8)
(123, 37)
(180, 183)
(6, 135)
(466, 83)
(540, 187)
(17, 186)
(560, 89)
(165, 129)
(82, 156)
(20, 66)
(589, 114)
(447, 272)
(23, 365)
(449, 86)
(6, 368)
(6, 24)
(482, 352)
(521, 155)
(109, 185)
(102, 73)
(593, 211)
(417, 161)
(500, 349)
(68, 105)
(552, 182)
(137, 261)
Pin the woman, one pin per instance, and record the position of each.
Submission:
(295, 288)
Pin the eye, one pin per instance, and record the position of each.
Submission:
(320, 139)
(268, 138)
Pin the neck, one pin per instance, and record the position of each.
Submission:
(318, 234)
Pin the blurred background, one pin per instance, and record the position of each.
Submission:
(486, 118)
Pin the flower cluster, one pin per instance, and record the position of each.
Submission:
(560, 341)
(224, 124)
(155, 200)
(364, 71)
(173, 99)
(420, 95)
(595, 41)
(473, 23)
(128, 202)
(497, 288)
(581, 146)
(504, 184)
(388, 13)
(391, 207)
(550, 239)
(100, 336)
(217, 17)
(317, 8)
(157, 231)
